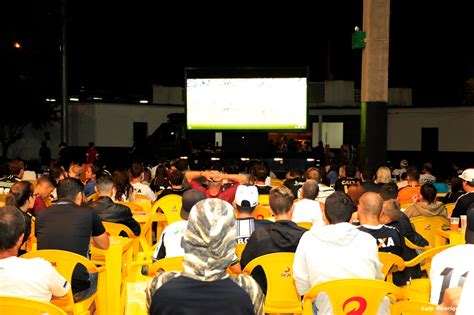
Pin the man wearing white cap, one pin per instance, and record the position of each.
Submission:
(246, 200)
(465, 201)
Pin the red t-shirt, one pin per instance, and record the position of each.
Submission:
(226, 193)
(39, 205)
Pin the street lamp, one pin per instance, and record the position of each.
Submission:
(17, 45)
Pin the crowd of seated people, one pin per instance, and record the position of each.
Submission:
(356, 215)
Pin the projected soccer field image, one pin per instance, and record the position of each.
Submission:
(246, 104)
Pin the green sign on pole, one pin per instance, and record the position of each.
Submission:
(358, 40)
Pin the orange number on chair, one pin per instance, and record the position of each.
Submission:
(362, 305)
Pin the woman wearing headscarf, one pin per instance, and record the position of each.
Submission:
(205, 287)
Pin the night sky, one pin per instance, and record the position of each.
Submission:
(119, 49)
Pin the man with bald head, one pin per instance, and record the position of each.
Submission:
(388, 238)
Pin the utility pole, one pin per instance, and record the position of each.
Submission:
(64, 96)
(374, 89)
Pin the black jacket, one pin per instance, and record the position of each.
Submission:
(114, 212)
(281, 236)
(406, 229)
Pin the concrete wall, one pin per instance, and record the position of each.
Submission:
(339, 93)
(168, 95)
(112, 124)
(455, 128)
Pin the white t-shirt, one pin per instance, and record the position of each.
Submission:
(451, 268)
(33, 278)
(307, 210)
(171, 239)
(142, 189)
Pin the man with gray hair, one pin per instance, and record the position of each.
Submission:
(209, 248)
(308, 209)
(324, 191)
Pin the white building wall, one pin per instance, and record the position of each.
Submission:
(455, 128)
(112, 124)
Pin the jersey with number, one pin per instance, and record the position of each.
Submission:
(450, 268)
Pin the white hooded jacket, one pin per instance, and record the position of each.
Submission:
(330, 252)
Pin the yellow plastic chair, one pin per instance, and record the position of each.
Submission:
(450, 208)
(166, 264)
(306, 225)
(239, 249)
(264, 200)
(282, 296)
(116, 229)
(409, 244)
(276, 182)
(134, 207)
(64, 262)
(368, 292)
(171, 207)
(262, 213)
(391, 263)
(412, 308)
(20, 305)
(427, 256)
(418, 290)
(92, 197)
(427, 226)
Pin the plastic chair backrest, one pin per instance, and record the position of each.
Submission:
(166, 264)
(64, 262)
(277, 182)
(306, 225)
(282, 296)
(264, 200)
(262, 212)
(133, 206)
(409, 244)
(412, 308)
(427, 226)
(343, 293)
(391, 263)
(171, 207)
(20, 305)
(92, 197)
(427, 256)
(141, 197)
(239, 249)
(450, 208)
(114, 229)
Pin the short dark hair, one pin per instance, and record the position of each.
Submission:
(68, 188)
(310, 189)
(338, 208)
(104, 182)
(19, 194)
(181, 165)
(368, 173)
(176, 177)
(15, 167)
(428, 192)
(12, 225)
(351, 170)
(281, 199)
(389, 191)
(136, 170)
(261, 173)
(412, 172)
